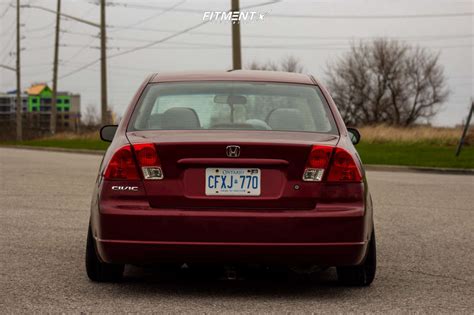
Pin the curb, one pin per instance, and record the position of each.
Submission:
(418, 169)
(54, 149)
(368, 167)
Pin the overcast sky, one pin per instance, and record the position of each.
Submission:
(316, 32)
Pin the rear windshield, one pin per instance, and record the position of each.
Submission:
(233, 105)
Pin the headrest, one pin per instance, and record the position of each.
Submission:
(180, 118)
(286, 119)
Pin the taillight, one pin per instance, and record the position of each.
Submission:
(122, 165)
(148, 160)
(317, 163)
(343, 168)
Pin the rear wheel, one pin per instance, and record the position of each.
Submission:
(364, 274)
(99, 271)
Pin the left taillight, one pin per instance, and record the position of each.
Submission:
(148, 160)
(122, 165)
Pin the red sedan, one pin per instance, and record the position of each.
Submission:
(232, 167)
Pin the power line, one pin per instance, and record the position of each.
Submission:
(84, 47)
(295, 37)
(418, 38)
(10, 5)
(40, 36)
(78, 33)
(8, 57)
(80, 50)
(220, 34)
(64, 15)
(8, 29)
(367, 17)
(380, 16)
(151, 17)
(10, 42)
(149, 7)
(40, 28)
(213, 45)
(7, 67)
(275, 47)
(159, 41)
(135, 49)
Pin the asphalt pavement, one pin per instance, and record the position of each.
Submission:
(425, 236)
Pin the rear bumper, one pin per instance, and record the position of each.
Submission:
(150, 236)
(148, 252)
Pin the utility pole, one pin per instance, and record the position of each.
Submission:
(19, 105)
(55, 71)
(103, 64)
(466, 127)
(103, 54)
(236, 49)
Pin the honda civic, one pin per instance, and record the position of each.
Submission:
(244, 167)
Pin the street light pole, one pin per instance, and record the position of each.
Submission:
(236, 49)
(55, 71)
(103, 64)
(19, 105)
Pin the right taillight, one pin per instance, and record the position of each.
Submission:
(317, 163)
(343, 168)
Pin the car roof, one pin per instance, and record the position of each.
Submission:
(233, 75)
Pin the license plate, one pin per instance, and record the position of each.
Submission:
(232, 182)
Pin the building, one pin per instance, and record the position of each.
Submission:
(37, 109)
(8, 105)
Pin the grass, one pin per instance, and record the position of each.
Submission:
(416, 146)
(414, 135)
(419, 154)
(88, 144)
(89, 141)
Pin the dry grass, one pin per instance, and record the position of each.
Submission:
(89, 135)
(418, 134)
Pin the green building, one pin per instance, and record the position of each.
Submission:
(39, 99)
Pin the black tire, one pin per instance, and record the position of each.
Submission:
(361, 275)
(99, 271)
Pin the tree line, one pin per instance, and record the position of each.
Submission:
(380, 82)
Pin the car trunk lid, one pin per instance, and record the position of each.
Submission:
(185, 156)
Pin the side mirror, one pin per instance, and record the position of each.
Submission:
(107, 132)
(354, 134)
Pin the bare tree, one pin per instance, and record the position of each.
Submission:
(287, 64)
(386, 81)
(90, 117)
(269, 66)
(291, 64)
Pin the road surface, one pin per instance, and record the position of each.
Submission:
(425, 226)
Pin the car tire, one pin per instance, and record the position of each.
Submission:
(361, 275)
(97, 270)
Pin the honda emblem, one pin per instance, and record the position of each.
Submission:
(232, 151)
